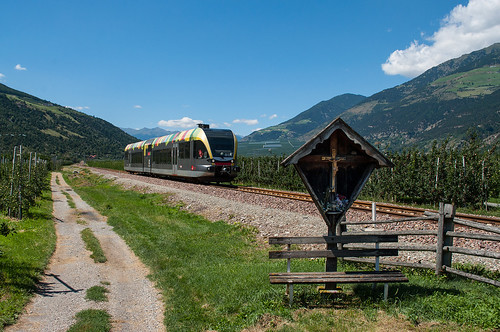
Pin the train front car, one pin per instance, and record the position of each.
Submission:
(202, 154)
(222, 146)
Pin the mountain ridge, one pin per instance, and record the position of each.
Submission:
(314, 117)
(442, 103)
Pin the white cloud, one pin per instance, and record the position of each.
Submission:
(2, 76)
(138, 106)
(251, 122)
(185, 122)
(19, 67)
(79, 108)
(465, 29)
(274, 116)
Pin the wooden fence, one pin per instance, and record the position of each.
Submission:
(444, 235)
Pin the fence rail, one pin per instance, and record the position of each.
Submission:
(444, 236)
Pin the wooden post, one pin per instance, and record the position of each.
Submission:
(445, 224)
(12, 181)
(289, 287)
(20, 192)
(331, 263)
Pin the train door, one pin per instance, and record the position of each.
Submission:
(175, 154)
(148, 158)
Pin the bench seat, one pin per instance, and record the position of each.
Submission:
(337, 277)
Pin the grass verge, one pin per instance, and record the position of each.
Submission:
(214, 276)
(92, 244)
(91, 320)
(23, 258)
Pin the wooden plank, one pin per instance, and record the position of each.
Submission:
(399, 233)
(283, 254)
(477, 225)
(422, 247)
(337, 277)
(484, 237)
(388, 221)
(472, 252)
(358, 238)
(391, 263)
(472, 276)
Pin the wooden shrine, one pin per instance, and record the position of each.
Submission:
(334, 166)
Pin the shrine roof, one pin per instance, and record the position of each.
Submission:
(338, 124)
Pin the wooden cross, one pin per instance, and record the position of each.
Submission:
(333, 159)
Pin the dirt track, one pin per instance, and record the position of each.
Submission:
(134, 303)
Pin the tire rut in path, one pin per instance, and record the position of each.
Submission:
(134, 304)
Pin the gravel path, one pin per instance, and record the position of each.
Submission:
(134, 304)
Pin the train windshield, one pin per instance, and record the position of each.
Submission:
(221, 143)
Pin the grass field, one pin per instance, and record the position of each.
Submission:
(214, 276)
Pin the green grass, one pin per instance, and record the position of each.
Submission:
(92, 244)
(69, 199)
(214, 276)
(97, 293)
(24, 256)
(91, 320)
(109, 164)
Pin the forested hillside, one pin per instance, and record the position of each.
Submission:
(55, 130)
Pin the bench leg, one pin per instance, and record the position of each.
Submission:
(289, 287)
(386, 291)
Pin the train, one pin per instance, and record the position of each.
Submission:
(201, 154)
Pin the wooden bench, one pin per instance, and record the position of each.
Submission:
(333, 277)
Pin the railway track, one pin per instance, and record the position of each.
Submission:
(386, 208)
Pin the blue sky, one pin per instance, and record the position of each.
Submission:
(241, 64)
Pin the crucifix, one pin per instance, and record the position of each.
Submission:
(330, 195)
(333, 159)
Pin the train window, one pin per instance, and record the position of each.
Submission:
(199, 150)
(137, 157)
(160, 156)
(168, 156)
(184, 150)
(222, 146)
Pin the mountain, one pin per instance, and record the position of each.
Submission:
(443, 102)
(315, 117)
(46, 128)
(147, 133)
